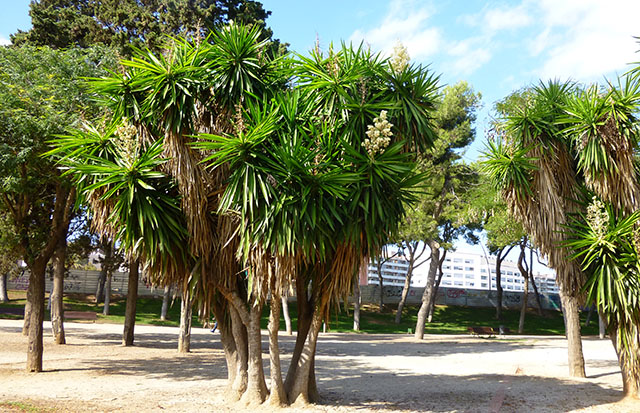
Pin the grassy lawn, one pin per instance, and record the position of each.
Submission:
(446, 320)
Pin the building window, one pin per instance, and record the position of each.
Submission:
(483, 277)
(493, 271)
(509, 273)
(457, 260)
(483, 270)
(446, 282)
(469, 276)
(468, 268)
(493, 278)
(458, 283)
(446, 267)
(483, 285)
(457, 268)
(470, 284)
(447, 275)
(447, 260)
(457, 275)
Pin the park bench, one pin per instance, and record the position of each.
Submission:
(481, 331)
(487, 331)
(81, 315)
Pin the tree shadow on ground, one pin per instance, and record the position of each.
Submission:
(346, 382)
(191, 366)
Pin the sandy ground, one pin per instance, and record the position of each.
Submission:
(356, 373)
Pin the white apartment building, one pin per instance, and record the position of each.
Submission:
(462, 270)
(394, 271)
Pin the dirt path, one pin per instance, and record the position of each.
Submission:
(355, 372)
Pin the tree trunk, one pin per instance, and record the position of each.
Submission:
(535, 290)
(107, 294)
(4, 296)
(57, 293)
(277, 395)
(406, 286)
(132, 297)
(499, 285)
(285, 312)
(184, 338)
(574, 340)
(104, 270)
(602, 327)
(36, 315)
(239, 332)
(589, 315)
(432, 307)
(256, 391)
(165, 303)
(428, 291)
(525, 275)
(300, 389)
(305, 313)
(628, 358)
(27, 308)
(357, 300)
(380, 284)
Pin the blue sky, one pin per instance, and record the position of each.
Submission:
(497, 46)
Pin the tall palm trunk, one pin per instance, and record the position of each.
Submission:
(628, 356)
(277, 394)
(574, 339)
(132, 298)
(57, 293)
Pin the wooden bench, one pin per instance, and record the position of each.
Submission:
(482, 331)
(81, 315)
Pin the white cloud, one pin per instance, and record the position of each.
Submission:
(4, 41)
(585, 39)
(502, 19)
(405, 23)
(469, 55)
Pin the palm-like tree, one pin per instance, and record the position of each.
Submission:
(533, 167)
(594, 151)
(603, 125)
(284, 169)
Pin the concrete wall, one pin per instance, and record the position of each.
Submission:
(457, 296)
(85, 282)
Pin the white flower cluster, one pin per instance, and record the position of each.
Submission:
(128, 143)
(598, 217)
(400, 58)
(379, 135)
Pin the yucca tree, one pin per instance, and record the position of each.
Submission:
(606, 243)
(314, 198)
(133, 202)
(603, 124)
(532, 165)
(286, 170)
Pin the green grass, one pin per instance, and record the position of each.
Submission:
(22, 407)
(446, 320)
